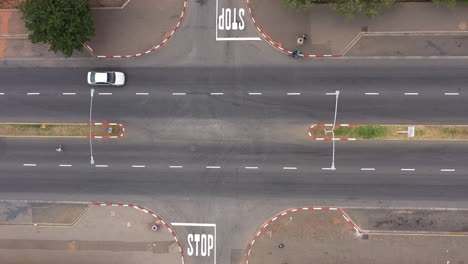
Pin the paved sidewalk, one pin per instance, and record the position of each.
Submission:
(324, 236)
(330, 33)
(82, 233)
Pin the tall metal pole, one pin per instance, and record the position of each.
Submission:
(91, 161)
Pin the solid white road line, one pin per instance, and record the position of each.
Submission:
(175, 166)
(2, 93)
(68, 93)
(65, 165)
(330, 93)
(105, 93)
(371, 93)
(289, 168)
(408, 169)
(138, 166)
(368, 169)
(447, 170)
(255, 93)
(213, 167)
(33, 93)
(141, 93)
(411, 93)
(30, 165)
(216, 93)
(179, 93)
(293, 93)
(451, 94)
(102, 166)
(251, 168)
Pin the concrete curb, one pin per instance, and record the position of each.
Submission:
(275, 44)
(285, 212)
(158, 46)
(92, 8)
(314, 138)
(142, 209)
(107, 124)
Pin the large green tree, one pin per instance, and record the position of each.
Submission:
(350, 8)
(298, 4)
(63, 24)
(450, 3)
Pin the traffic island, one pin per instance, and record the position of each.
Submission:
(388, 132)
(77, 130)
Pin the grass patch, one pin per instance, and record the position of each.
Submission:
(57, 130)
(371, 132)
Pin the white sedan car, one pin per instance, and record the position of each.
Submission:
(106, 78)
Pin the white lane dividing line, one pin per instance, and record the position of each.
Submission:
(105, 93)
(138, 166)
(33, 93)
(368, 169)
(293, 94)
(175, 166)
(29, 165)
(403, 169)
(65, 165)
(102, 166)
(289, 168)
(447, 170)
(216, 93)
(372, 94)
(451, 94)
(68, 93)
(255, 93)
(179, 93)
(330, 93)
(213, 167)
(2, 93)
(251, 168)
(141, 93)
(411, 93)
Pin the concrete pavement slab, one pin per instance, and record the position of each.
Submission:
(331, 33)
(121, 233)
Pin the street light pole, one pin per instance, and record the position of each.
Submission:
(332, 167)
(91, 161)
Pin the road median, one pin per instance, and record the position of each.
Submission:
(77, 130)
(388, 132)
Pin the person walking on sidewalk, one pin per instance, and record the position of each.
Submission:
(304, 36)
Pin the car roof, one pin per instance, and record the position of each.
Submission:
(100, 77)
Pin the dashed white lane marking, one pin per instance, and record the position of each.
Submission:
(251, 168)
(451, 94)
(293, 94)
(68, 93)
(330, 93)
(138, 166)
(2, 93)
(175, 166)
(33, 93)
(65, 165)
(216, 93)
(141, 93)
(29, 164)
(102, 166)
(405, 169)
(289, 168)
(411, 93)
(447, 170)
(105, 93)
(213, 167)
(371, 93)
(179, 93)
(368, 169)
(255, 93)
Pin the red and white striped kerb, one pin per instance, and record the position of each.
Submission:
(107, 124)
(314, 138)
(160, 45)
(275, 44)
(142, 209)
(264, 226)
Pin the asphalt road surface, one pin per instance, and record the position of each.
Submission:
(230, 132)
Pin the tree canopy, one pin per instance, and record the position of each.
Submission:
(63, 24)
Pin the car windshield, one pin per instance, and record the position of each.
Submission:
(110, 77)
(92, 77)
